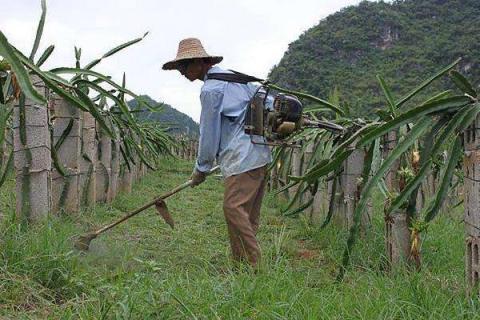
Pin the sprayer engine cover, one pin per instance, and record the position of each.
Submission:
(288, 108)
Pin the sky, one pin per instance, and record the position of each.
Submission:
(251, 35)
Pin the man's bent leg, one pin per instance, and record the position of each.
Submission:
(257, 202)
(235, 244)
(240, 194)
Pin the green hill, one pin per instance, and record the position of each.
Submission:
(176, 120)
(404, 41)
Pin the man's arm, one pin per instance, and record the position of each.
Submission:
(210, 127)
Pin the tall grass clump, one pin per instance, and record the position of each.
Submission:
(41, 257)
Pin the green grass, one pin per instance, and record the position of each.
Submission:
(144, 270)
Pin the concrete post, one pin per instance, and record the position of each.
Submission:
(139, 165)
(273, 185)
(351, 179)
(32, 159)
(312, 213)
(141, 170)
(397, 239)
(471, 168)
(125, 184)
(193, 154)
(134, 166)
(186, 155)
(190, 149)
(186, 149)
(320, 201)
(103, 167)
(125, 179)
(181, 149)
(7, 145)
(138, 175)
(391, 177)
(115, 166)
(65, 194)
(397, 234)
(296, 169)
(87, 184)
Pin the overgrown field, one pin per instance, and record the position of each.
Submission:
(145, 270)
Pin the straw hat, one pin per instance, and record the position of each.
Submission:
(190, 48)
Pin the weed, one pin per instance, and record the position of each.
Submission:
(144, 270)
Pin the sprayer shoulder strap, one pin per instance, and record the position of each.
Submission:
(236, 77)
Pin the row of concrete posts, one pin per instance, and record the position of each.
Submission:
(89, 166)
(186, 148)
(345, 193)
(342, 193)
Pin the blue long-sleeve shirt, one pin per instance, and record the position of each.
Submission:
(222, 135)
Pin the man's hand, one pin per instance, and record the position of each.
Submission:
(197, 178)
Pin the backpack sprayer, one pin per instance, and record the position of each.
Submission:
(274, 124)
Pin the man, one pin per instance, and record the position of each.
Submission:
(222, 138)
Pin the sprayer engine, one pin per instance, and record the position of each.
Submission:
(278, 123)
(285, 117)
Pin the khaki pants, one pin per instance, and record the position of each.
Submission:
(241, 206)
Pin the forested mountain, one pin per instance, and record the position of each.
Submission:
(169, 116)
(404, 41)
